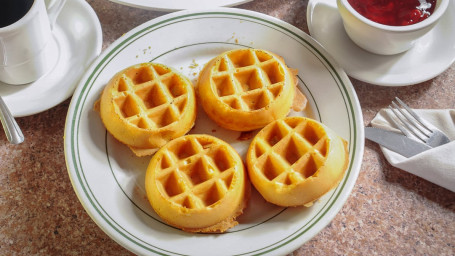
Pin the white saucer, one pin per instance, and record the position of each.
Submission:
(431, 55)
(175, 5)
(78, 37)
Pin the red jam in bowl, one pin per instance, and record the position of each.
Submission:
(394, 12)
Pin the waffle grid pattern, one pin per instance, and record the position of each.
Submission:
(195, 173)
(290, 151)
(151, 97)
(248, 80)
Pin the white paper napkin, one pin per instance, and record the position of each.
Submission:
(436, 165)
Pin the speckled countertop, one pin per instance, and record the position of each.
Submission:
(389, 211)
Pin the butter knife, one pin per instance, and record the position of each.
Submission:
(396, 142)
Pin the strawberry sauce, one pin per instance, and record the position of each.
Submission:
(394, 12)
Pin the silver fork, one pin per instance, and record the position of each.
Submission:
(414, 126)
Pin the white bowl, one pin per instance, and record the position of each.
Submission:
(384, 39)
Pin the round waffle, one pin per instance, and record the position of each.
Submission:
(197, 183)
(146, 105)
(296, 160)
(245, 89)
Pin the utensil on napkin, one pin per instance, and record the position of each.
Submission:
(12, 130)
(437, 164)
(396, 142)
(413, 126)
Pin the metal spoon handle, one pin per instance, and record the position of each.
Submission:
(12, 130)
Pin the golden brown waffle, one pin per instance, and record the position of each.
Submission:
(296, 160)
(245, 89)
(197, 183)
(147, 105)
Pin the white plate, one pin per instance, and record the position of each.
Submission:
(174, 5)
(109, 179)
(431, 55)
(78, 38)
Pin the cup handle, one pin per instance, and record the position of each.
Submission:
(53, 10)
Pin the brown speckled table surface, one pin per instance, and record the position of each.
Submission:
(389, 211)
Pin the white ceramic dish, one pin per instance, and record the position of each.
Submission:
(78, 38)
(384, 39)
(175, 5)
(109, 179)
(429, 57)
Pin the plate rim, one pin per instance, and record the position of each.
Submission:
(354, 112)
(169, 6)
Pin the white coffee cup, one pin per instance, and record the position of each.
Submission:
(26, 45)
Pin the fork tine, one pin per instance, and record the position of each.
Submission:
(414, 114)
(404, 127)
(411, 121)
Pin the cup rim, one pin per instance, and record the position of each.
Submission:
(441, 7)
(22, 20)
